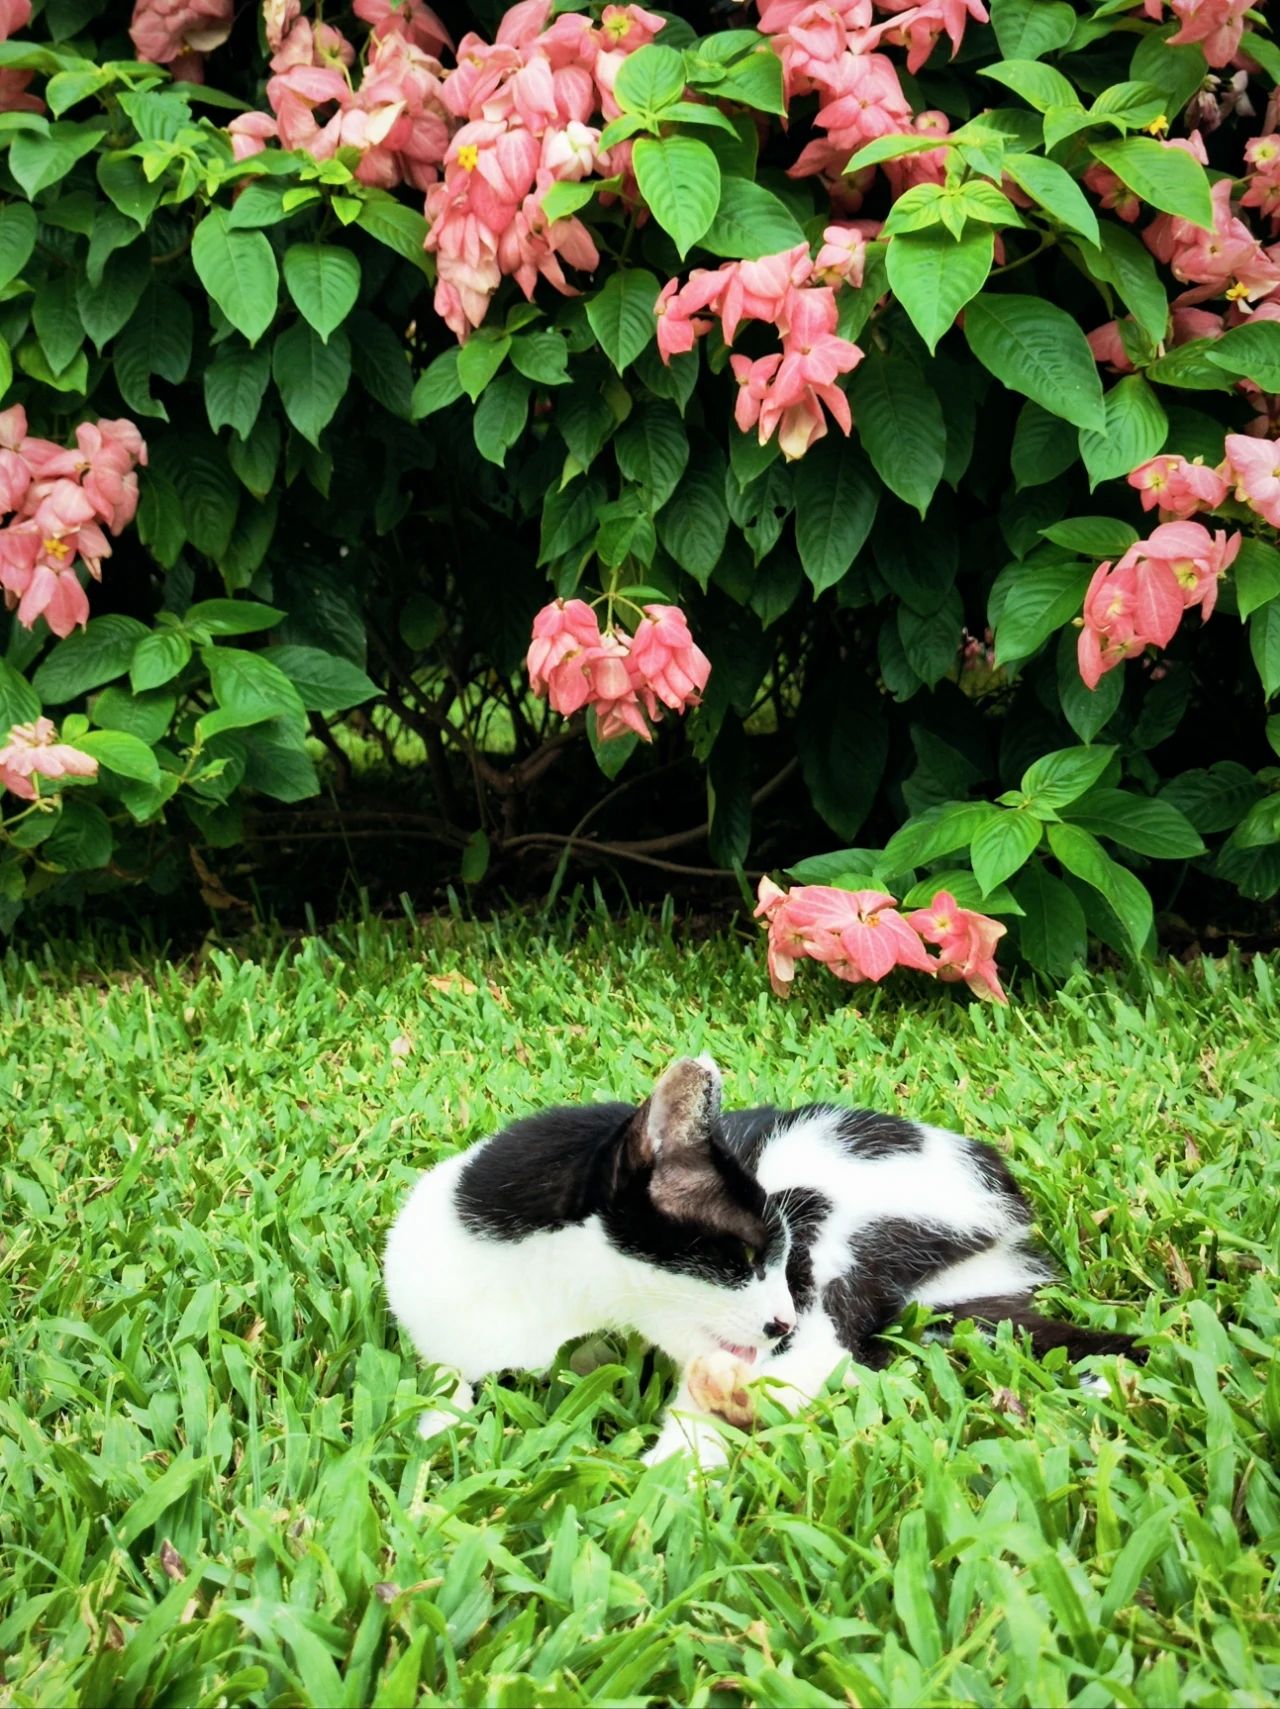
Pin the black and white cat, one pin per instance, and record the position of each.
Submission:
(757, 1243)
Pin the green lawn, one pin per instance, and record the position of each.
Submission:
(211, 1490)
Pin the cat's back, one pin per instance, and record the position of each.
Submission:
(876, 1165)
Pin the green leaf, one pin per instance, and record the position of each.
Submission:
(206, 485)
(1137, 822)
(679, 178)
(844, 745)
(1252, 351)
(87, 659)
(107, 306)
(542, 357)
(755, 80)
(146, 716)
(933, 276)
(1040, 86)
(1059, 778)
(1215, 799)
(57, 321)
(649, 79)
(438, 386)
(248, 689)
(559, 201)
(398, 227)
(479, 360)
(900, 423)
(1041, 450)
(694, 523)
(157, 659)
(311, 377)
(17, 239)
(1093, 536)
(266, 203)
(568, 516)
(122, 754)
(1082, 855)
(475, 857)
(1264, 644)
(1056, 191)
(1256, 573)
(1177, 71)
(157, 340)
(238, 269)
(324, 282)
(960, 883)
(1002, 846)
(931, 640)
(1168, 178)
(38, 159)
(1125, 263)
(235, 383)
(1191, 366)
(836, 497)
(613, 755)
(326, 682)
(122, 179)
(893, 147)
(276, 766)
(1038, 350)
(1136, 429)
(621, 315)
(1052, 934)
(232, 617)
(750, 221)
(938, 831)
(82, 841)
(255, 459)
(19, 702)
(652, 448)
(1027, 29)
(500, 417)
(73, 378)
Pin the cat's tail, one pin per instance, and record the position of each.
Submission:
(1045, 1333)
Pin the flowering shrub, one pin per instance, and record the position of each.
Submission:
(870, 409)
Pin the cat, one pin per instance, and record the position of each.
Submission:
(755, 1243)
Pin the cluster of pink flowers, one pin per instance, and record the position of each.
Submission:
(785, 391)
(16, 15)
(623, 676)
(1216, 25)
(1139, 601)
(59, 502)
(33, 750)
(828, 49)
(860, 935)
(396, 118)
(178, 33)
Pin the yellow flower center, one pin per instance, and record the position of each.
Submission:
(55, 548)
(1159, 125)
(618, 27)
(468, 157)
(1236, 292)
(942, 922)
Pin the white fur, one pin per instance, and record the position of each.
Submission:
(477, 1305)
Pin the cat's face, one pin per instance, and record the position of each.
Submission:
(686, 1208)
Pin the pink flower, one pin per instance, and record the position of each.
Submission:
(763, 289)
(1177, 488)
(857, 933)
(1263, 191)
(1109, 634)
(13, 93)
(250, 133)
(33, 750)
(163, 29)
(1186, 557)
(1114, 193)
(967, 940)
(680, 310)
(925, 22)
(1108, 348)
(1216, 24)
(563, 634)
(665, 662)
(614, 691)
(1225, 261)
(413, 20)
(15, 15)
(1253, 466)
(843, 255)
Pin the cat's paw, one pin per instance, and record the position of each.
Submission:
(705, 1446)
(718, 1383)
(438, 1420)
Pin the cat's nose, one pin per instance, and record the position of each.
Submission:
(777, 1327)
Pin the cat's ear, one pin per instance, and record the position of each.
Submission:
(680, 1113)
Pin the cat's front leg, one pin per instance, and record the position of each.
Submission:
(459, 1399)
(688, 1428)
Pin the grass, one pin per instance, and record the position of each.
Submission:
(211, 1490)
